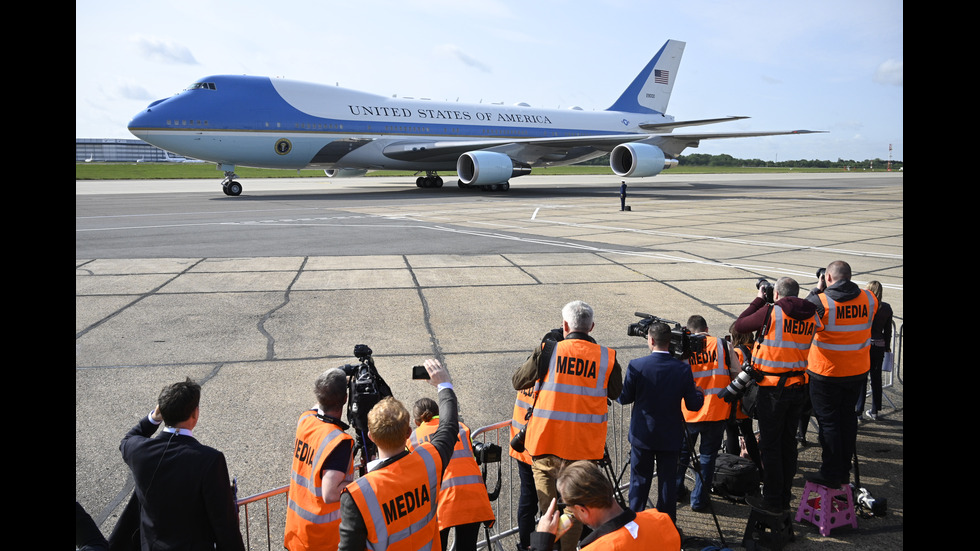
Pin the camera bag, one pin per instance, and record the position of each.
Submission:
(735, 477)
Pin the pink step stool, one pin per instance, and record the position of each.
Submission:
(829, 509)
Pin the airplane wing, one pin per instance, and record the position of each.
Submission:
(526, 149)
(674, 144)
(670, 126)
(533, 150)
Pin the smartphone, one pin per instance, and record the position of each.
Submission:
(419, 372)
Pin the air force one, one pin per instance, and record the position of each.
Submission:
(276, 123)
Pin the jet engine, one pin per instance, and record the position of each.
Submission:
(344, 172)
(483, 168)
(638, 160)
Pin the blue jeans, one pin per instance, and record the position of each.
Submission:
(711, 433)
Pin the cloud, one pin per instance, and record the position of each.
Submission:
(468, 60)
(890, 72)
(165, 50)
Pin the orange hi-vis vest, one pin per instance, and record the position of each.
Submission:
(525, 400)
(463, 498)
(737, 406)
(651, 530)
(784, 348)
(311, 523)
(569, 420)
(397, 501)
(842, 349)
(711, 375)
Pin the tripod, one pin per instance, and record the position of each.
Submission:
(605, 464)
(695, 465)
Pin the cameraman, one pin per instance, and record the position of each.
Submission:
(785, 330)
(394, 504)
(322, 466)
(657, 384)
(568, 420)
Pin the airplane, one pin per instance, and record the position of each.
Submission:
(277, 123)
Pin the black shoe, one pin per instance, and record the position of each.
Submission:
(818, 478)
(682, 494)
(759, 503)
(701, 509)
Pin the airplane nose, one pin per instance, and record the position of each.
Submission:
(145, 119)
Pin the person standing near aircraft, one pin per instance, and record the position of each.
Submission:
(622, 196)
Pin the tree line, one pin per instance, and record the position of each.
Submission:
(725, 160)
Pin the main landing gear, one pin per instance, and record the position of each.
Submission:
(229, 185)
(486, 187)
(431, 179)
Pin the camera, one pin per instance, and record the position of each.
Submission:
(517, 442)
(486, 453)
(876, 507)
(766, 288)
(682, 342)
(740, 383)
(419, 372)
(365, 388)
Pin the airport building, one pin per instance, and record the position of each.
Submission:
(117, 150)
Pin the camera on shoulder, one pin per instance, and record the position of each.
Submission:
(683, 343)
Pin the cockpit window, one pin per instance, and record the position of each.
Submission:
(201, 86)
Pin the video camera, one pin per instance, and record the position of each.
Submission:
(683, 343)
(365, 388)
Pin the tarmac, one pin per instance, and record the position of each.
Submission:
(474, 279)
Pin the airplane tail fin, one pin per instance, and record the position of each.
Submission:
(650, 90)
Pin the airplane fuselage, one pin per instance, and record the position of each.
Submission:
(277, 123)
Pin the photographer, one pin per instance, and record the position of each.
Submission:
(569, 417)
(394, 503)
(838, 366)
(322, 466)
(710, 370)
(463, 501)
(785, 330)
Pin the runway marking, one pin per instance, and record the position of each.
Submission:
(643, 254)
(725, 239)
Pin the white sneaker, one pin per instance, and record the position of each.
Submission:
(871, 416)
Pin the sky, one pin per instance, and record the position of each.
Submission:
(835, 66)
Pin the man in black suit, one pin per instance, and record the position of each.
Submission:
(182, 485)
(657, 383)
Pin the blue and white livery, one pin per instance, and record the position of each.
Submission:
(276, 123)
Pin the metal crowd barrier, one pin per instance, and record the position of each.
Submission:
(504, 507)
(264, 498)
